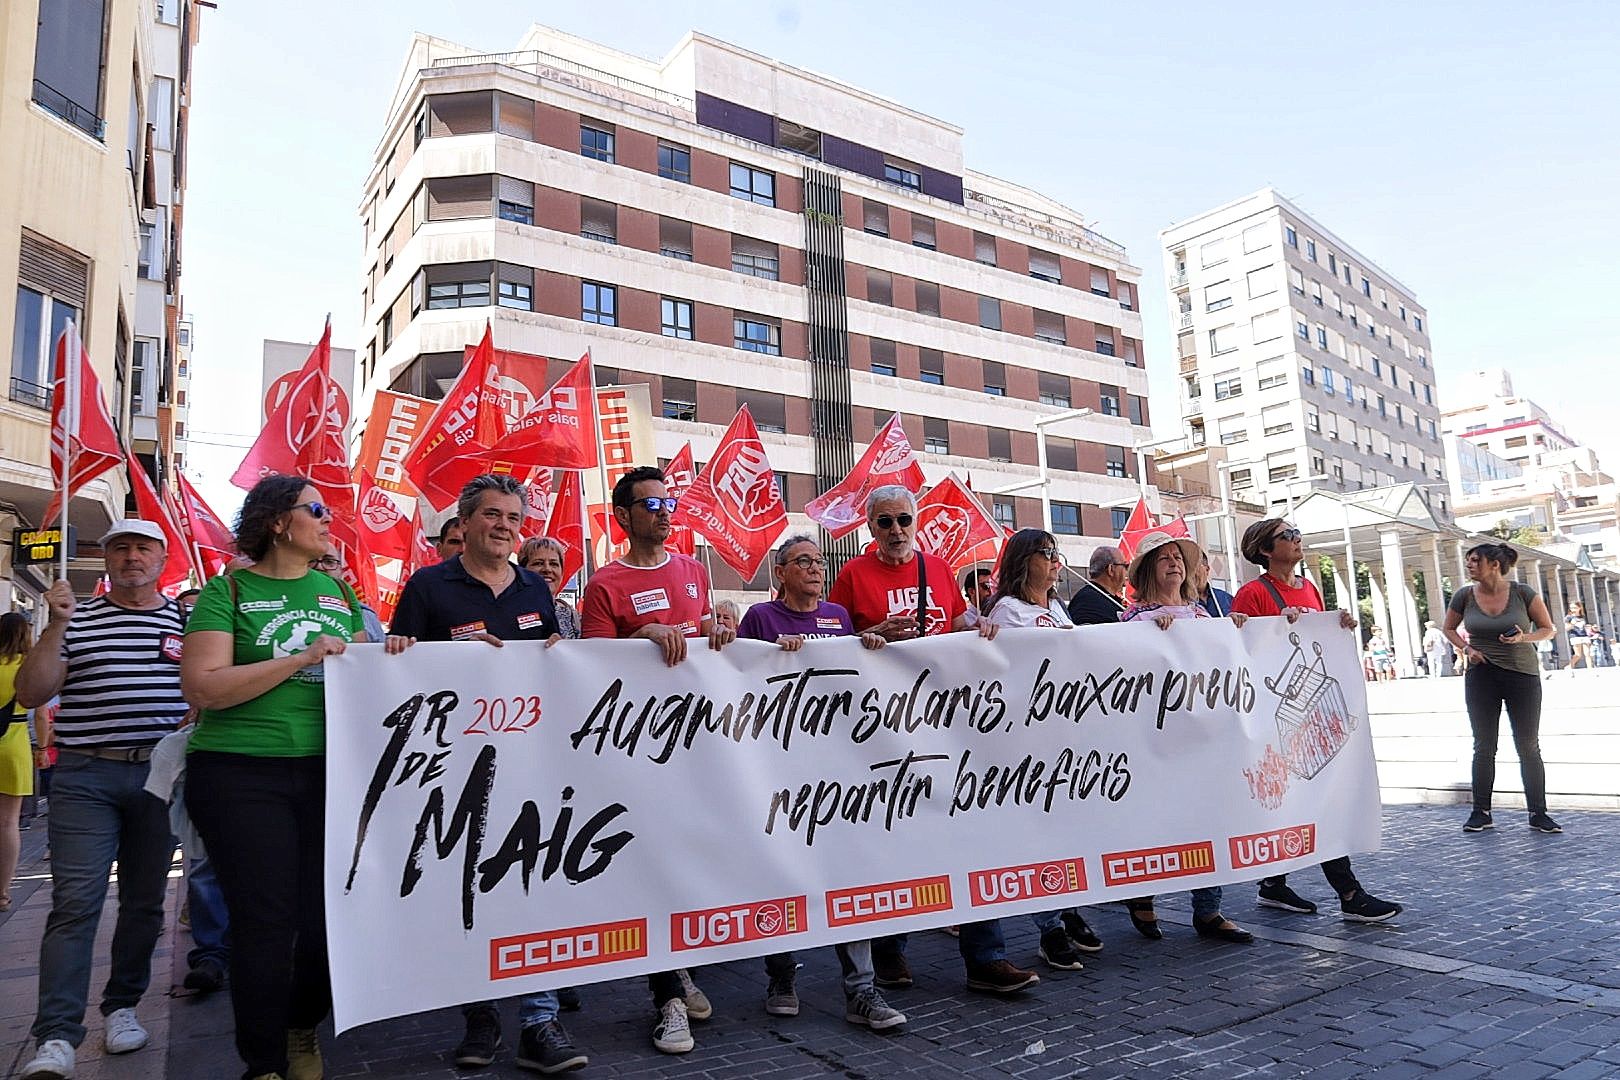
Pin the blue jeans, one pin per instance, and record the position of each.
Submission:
(210, 925)
(854, 961)
(100, 812)
(1206, 902)
(1046, 921)
(981, 942)
(534, 1009)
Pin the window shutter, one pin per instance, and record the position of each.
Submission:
(60, 271)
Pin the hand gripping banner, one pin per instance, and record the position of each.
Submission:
(501, 821)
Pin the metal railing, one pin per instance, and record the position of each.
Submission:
(54, 101)
(1185, 321)
(1028, 219)
(30, 393)
(1180, 278)
(557, 69)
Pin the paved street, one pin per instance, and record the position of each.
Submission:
(1506, 963)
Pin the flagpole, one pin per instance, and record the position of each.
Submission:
(70, 418)
(601, 472)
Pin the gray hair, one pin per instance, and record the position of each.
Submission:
(1101, 560)
(473, 493)
(782, 549)
(887, 492)
(727, 605)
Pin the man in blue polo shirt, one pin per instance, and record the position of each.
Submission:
(482, 595)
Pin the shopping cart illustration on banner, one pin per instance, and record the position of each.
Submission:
(1313, 720)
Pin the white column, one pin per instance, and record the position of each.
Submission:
(1555, 607)
(1380, 609)
(1434, 589)
(1398, 594)
(1589, 597)
(1341, 587)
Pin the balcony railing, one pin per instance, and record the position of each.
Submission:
(54, 101)
(1179, 279)
(1185, 321)
(30, 393)
(1189, 364)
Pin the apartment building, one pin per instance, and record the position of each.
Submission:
(1302, 357)
(92, 118)
(730, 230)
(1487, 412)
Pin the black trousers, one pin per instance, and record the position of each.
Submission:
(1486, 688)
(261, 819)
(1337, 871)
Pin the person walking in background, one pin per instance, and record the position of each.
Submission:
(1165, 592)
(1276, 546)
(1579, 633)
(16, 758)
(1436, 650)
(1026, 595)
(1504, 620)
(115, 661)
(256, 766)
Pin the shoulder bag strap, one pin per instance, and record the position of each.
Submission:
(922, 595)
(1271, 587)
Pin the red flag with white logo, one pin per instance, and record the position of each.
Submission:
(888, 460)
(461, 424)
(81, 429)
(1138, 525)
(556, 432)
(952, 524)
(206, 531)
(567, 525)
(678, 477)
(299, 421)
(177, 563)
(385, 531)
(735, 501)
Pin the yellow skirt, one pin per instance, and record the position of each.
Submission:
(16, 761)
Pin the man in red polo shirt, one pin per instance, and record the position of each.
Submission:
(1277, 547)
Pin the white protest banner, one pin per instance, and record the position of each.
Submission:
(507, 820)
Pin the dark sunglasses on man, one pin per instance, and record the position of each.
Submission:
(885, 521)
(652, 504)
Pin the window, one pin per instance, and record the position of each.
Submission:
(1382, 410)
(936, 436)
(448, 198)
(1117, 520)
(1256, 238)
(675, 239)
(1321, 337)
(883, 357)
(753, 334)
(674, 162)
(1223, 339)
(596, 142)
(1062, 454)
(1262, 282)
(755, 258)
(1333, 264)
(1125, 298)
(150, 260)
(517, 295)
(1000, 444)
(1313, 419)
(1268, 326)
(1130, 354)
(1296, 281)
(599, 221)
(1109, 397)
(1327, 381)
(875, 217)
(769, 410)
(995, 378)
(1230, 386)
(927, 298)
(1105, 340)
(922, 232)
(931, 367)
(675, 318)
(457, 290)
(1099, 282)
(1045, 266)
(515, 200)
(1291, 236)
(680, 398)
(68, 64)
(599, 303)
(903, 175)
(1428, 394)
(879, 287)
(753, 185)
(1114, 465)
(989, 313)
(798, 138)
(1066, 519)
(1271, 373)
(1277, 419)
(1211, 254)
(1310, 250)
(1278, 473)
(1403, 312)
(1366, 288)
(1005, 511)
(1054, 389)
(1218, 295)
(984, 248)
(1138, 409)
(1303, 331)
(1049, 327)
(1316, 293)
(1307, 375)
(141, 365)
(1417, 323)
(1349, 390)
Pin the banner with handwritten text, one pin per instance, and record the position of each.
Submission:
(504, 820)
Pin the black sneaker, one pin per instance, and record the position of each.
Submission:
(568, 999)
(483, 1038)
(1543, 823)
(891, 971)
(1479, 821)
(999, 977)
(1281, 896)
(1081, 935)
(780, 998)
(1059, 952)
(1363, 906)
(545, 1049)
(207, 977)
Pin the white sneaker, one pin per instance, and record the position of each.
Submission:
(672, 1034)
(124, 1034)
(54, 1061)
(697, 1002)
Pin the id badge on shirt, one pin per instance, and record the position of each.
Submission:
(171, 647)
(466, 630)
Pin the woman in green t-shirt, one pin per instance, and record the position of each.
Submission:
(256, 771)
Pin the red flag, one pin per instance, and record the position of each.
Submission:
(678, 477)
(952, 524)
(85, 436)
(1138, 525)
(735, 501)
(300, 419)
(567, 525)
(382, 530)
(888, 460)
(541, 499)
(177, 562)
(467, 421)
(556, 432)
(205, 529)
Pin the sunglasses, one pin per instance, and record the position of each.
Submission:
(884, 521)
(809, 562)
(1286, 534)
(318, 510)
(1051, 554)
(653, 504)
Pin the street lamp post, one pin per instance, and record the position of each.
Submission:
(1044, 482)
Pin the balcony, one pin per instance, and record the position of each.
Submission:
(59, 104)
(1184, 321)
(1178, 280)
(1189, 364)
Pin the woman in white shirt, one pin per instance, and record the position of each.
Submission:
(1026, 595)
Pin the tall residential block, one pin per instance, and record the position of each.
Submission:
(730, 230)
(1307, 361)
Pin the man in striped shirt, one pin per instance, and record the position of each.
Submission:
(115, 662)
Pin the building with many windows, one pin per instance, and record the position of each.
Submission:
(93, 106)
(1308, 362)
(732, 230)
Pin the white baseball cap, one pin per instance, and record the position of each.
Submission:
(134, 527)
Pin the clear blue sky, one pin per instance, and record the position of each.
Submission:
(1469, 148)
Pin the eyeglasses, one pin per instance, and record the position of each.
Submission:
(1120, 565)
(1286, 534)
(652, 504)
(809, 562)
(885, 521)
(1051, 554)
(318, 510)
(326, 562)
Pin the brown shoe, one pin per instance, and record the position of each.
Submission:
(891, 971)
(999, 977)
